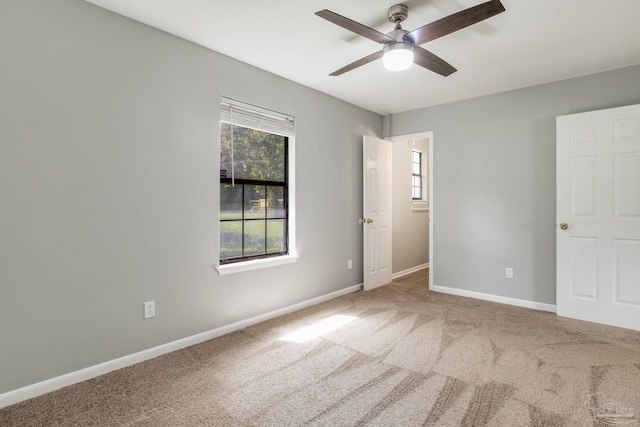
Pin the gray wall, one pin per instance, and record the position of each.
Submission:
(109, 189)
(494, 180)
(410, 229)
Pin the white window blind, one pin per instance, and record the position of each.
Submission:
(249, 116)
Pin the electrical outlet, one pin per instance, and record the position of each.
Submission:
(149, 309)
(349, 264)
(509, 273)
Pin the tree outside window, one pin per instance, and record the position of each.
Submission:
(253, 194)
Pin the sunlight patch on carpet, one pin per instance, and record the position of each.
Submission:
(321, 327)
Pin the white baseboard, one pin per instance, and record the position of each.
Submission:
(495, 298)
(47, 386)
(409, 270)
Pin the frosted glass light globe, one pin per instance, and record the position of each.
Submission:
(397, 56)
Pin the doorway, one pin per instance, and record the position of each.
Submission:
(419, 209)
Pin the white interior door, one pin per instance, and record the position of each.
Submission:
(598, 216)
(377, 211)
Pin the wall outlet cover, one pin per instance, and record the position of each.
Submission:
(509, 273)
(149, 309)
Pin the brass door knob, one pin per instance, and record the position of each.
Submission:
(369, 220)
(564, 226)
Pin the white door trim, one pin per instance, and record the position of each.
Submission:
(423, 135)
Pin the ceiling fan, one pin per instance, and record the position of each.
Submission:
(401, 48)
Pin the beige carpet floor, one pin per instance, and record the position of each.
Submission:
(410, 358)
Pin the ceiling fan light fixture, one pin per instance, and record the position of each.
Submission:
(397, 56)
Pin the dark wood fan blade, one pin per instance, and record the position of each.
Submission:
(455, 22)
(360, 62)
(354, 26)
(428, 60)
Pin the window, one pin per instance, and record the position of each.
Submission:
(416, 177)
(254, 183)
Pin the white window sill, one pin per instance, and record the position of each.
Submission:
(419, 206)
(239, 267)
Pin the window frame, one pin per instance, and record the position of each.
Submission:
(243, 219)
(271, 125)
(418, 176)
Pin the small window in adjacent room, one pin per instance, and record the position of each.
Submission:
(255, 178)
(416, 177)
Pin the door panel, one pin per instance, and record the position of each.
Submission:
(584, 187)
(627, 185)
(584, 255)
(627, 271)
(598, 199)
(627, 129)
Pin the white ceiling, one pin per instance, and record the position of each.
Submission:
(533, 42)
